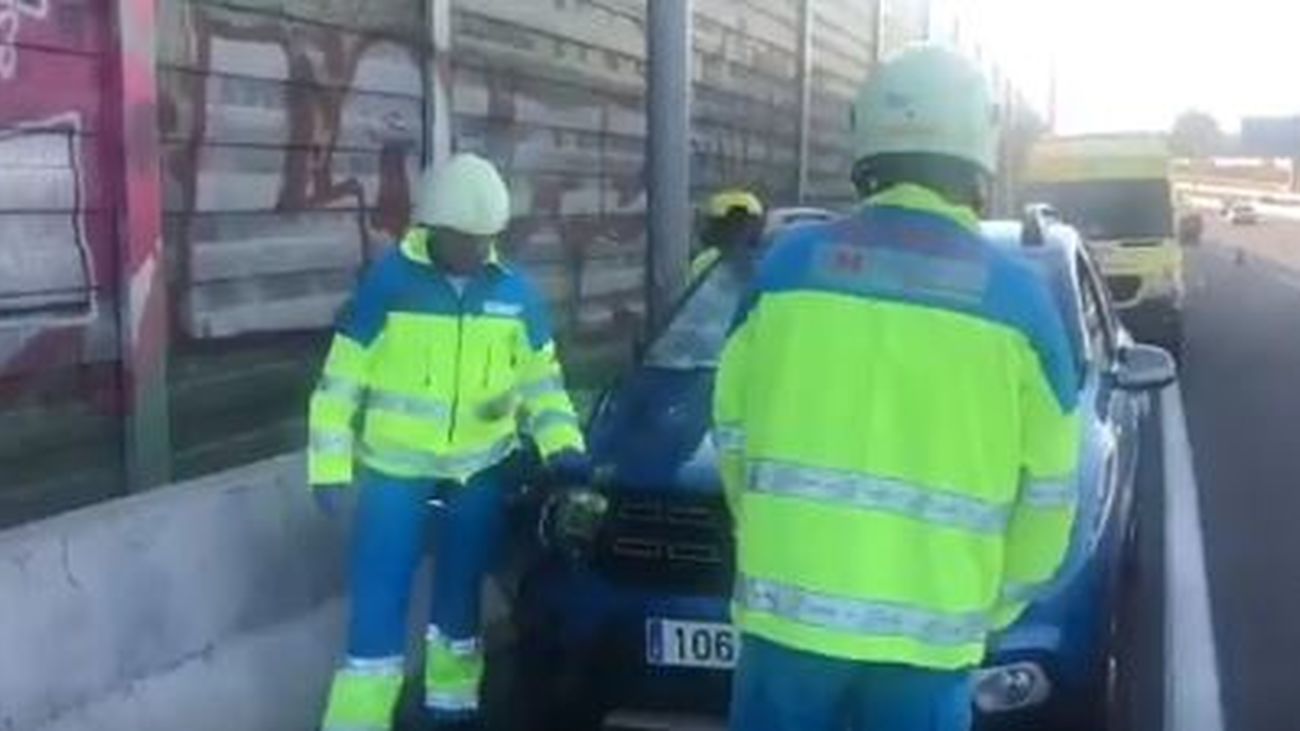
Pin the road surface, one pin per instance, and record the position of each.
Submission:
(1241, 387)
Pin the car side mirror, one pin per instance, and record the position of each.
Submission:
(1144, 368)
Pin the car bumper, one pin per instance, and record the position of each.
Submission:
(610, 644)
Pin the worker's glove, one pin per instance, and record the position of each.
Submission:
(570, 468)
(329, 498)
(571, 520)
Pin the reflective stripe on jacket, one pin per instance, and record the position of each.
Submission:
(896, 419)
(442, 382)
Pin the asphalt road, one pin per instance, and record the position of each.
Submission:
(1241, 388)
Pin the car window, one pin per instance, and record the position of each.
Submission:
(698, 330)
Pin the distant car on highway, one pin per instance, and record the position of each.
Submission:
(642, 626)
(1241, 213)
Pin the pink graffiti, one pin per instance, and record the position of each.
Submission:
(13, 13)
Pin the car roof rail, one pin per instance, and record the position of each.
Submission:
(1035, 220)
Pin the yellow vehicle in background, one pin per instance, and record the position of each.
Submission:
(1115, 189)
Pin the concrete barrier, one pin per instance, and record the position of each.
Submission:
(205, 605)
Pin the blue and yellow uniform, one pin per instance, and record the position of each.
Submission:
(427, 386)
(896, 415)
(897, 429)
(442, 380)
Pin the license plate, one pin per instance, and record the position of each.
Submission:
(674, 643)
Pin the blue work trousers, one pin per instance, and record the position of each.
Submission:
(780, 689)
(393, 519)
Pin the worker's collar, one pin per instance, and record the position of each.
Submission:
(919, 198)
(416, 245)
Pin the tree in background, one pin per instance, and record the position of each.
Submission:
(1197, 135)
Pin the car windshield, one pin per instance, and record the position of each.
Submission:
(1109, 209)
(695, 335)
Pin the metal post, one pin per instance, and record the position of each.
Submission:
(804, 82)
(142, 293)
(668, 44)
(438, 92)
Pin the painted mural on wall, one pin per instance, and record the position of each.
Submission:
(291, 148)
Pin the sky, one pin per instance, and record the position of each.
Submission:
(1135, 64)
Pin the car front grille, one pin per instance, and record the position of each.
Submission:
(677, 541)
(1123, 287)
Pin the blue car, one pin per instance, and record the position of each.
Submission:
(639, 631)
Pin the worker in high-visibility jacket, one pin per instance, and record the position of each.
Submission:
(732, 224)
(439, 361)
(895, 412)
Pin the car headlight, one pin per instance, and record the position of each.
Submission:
(1011, 687)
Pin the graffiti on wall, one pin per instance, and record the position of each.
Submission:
(555, 96)
(56, 236)
(13, 13)
(292, 149)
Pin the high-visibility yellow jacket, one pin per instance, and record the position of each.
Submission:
(895, 412)
(438, 383)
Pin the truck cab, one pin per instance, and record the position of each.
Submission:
(1115, 189)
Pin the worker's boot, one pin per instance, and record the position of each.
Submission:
(363, 695)
(453, 671)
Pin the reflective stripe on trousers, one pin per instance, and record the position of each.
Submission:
(364, 695)
(453, 672)
(428, 464)
(860, 616)
(869, 492)
(450, 701)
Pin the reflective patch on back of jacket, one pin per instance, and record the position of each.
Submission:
(884, 272)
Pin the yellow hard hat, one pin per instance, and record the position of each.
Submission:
(726, 201)
(467, 194)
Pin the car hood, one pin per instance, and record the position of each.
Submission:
(651, 431)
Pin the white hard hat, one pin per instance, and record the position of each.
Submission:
(927, 100)
(465, 194)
